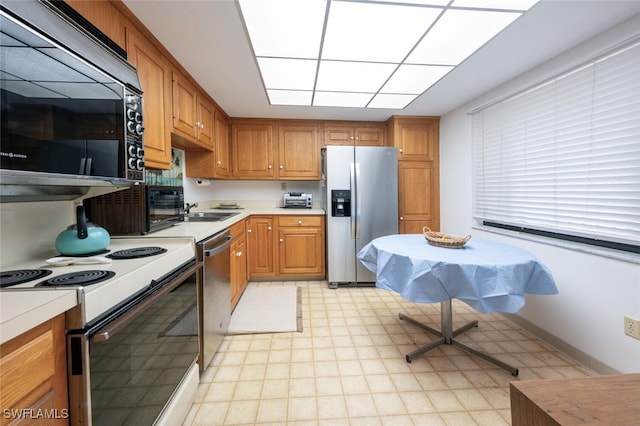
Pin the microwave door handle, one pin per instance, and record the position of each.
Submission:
(89, 166)
(83, 166)
(106, 331)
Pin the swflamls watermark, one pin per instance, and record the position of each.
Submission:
(35, 413)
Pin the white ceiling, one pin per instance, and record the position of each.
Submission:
(208, 38)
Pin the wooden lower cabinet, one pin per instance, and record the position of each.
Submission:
(301, 246)
(238, 262)
(286, 246)
(33, 375)
(260, 246)
(418, 196)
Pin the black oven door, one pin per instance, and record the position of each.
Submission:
(125, 368)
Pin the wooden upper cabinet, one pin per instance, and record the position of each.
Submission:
(192, 115)
(252, 150)
(417, 138)
(358, 134)
(299, 151)
(216, 163)
(154, 73)
(105, 16)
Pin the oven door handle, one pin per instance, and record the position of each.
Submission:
(111, 328)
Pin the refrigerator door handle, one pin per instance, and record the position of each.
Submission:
(352, 185)
(356, 200)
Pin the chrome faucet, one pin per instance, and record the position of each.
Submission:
(188, 207)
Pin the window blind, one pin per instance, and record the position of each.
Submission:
(564, 156)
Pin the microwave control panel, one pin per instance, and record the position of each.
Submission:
(135, 145)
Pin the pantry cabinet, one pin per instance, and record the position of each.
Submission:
(301, 246)
(192, 115)
(154, 73)
(238, 262)
(299, 151)
(417, 140)
(252, 150)
(260, 246)
(354, 134)
(33, 374)
(216, 163)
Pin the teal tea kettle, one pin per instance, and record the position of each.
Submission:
(83, 238)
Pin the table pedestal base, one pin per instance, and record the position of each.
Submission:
(447, 335)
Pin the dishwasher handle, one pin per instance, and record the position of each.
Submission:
(226, 242)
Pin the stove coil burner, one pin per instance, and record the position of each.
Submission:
(9, 278)
(81, 278)
(137, 252)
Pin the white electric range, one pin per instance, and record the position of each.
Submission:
(127, 277)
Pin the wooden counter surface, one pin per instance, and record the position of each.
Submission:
(597, 400)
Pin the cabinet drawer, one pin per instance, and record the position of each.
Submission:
(300, 221)
(237, 229)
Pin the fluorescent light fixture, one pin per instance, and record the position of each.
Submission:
(366, 53)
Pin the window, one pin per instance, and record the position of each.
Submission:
(562, 159)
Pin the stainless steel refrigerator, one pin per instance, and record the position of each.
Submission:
(361, 201)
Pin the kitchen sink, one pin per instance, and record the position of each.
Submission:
(208, 216)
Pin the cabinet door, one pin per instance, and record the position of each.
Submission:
(301, 251)
(339, 135)
(184, 106)
(370, 136)
(301, 246)
(260, 247)
(221, 136)
(33, 372)
(299, 152)
(417, 139)
(154, 73)
(205, 124)
(238, 269)
(252, 151)
(418, 196)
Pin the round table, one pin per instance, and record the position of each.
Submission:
(487, 275)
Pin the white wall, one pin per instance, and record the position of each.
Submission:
(595, 291)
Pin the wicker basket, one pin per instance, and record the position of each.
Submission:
(444, 240)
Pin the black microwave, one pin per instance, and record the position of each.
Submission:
(137, 210)
(70, 107)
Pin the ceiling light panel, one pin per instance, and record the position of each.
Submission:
(372, 53)
(284, 28)
(374, 32)
(457, 34)
(292, 74)
(339, 76)
(414, 79)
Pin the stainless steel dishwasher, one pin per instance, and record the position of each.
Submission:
(214, 293)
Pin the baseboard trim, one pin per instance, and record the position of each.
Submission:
(583, 358)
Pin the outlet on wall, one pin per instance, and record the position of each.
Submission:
(632, 327)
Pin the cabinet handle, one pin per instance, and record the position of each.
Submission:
(281, 167)
(197, 123)
(268, 228)
(239, 254)
(299, 222)
(248, 230)
(400, 150)
(218, 162)
(281, 240)
(269, 166)
(401, 218)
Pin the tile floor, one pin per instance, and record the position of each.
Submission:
(347, 367)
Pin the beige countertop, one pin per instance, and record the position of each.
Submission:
(24, 309)
(202, 230)
(21, 310)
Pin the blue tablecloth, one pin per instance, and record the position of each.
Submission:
(488, 276)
